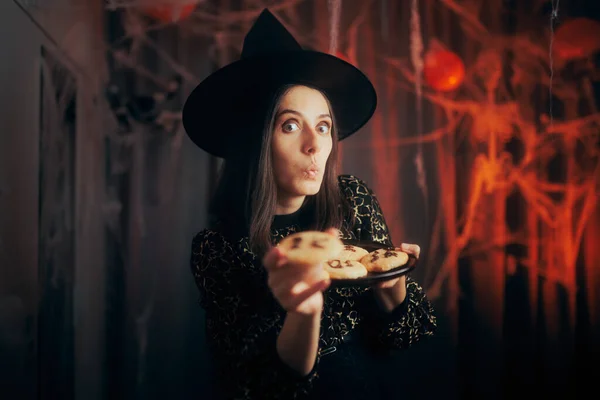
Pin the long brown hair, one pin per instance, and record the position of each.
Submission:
(246, 196)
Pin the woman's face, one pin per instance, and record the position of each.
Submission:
(301, 143)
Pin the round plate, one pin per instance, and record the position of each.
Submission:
(374, 277)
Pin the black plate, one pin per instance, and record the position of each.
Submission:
(374, 277)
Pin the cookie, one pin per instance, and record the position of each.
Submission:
(311, 247)
(345, 269)
(351, 252)
(382, 260)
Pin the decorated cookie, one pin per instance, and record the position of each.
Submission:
(351, 252)
(311, 247)
(382, 260)
(345, 269)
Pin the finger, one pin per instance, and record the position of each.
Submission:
(297, 299)
(282, 280)
(387, 284)
(301, 271)
(281, 260)
(411, 249)
(274, 258)
(333, 232)
(270, 257)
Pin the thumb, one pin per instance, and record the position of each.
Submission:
(333, 232)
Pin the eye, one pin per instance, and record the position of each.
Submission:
(290, 126)
(323, 128)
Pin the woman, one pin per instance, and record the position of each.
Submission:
(277, 331)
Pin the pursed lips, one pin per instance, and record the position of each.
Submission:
(312, 171)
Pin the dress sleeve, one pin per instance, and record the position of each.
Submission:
(410, 321)
(241, 326)
(404, 326)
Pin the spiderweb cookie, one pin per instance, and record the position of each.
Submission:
(351, 252)
(383, 260)
(345, 269)
(311, 247)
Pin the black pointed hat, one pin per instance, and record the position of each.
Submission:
(223, 107)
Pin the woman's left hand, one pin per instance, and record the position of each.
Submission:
(412, 249)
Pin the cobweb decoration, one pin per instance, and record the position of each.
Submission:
(335, 9)
(553, 17)
(57, 146)
(416, 57)
(558, 211)
(113, 5)
(385, 20)
(486, 115)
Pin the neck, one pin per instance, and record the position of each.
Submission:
(288, 205)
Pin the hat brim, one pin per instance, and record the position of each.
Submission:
(224, 107)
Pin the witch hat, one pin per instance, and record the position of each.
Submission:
(224, 107)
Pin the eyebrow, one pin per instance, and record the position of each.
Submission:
(288, 111)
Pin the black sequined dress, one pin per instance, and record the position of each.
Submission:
(357, 338)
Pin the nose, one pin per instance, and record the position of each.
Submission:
(311, 142)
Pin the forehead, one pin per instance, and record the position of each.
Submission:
(305, 100)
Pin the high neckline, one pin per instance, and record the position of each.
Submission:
(299, 217)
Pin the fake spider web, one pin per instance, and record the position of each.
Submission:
(486, 114)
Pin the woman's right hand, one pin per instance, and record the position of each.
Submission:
(298, 288)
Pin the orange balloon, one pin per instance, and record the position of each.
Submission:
(443, 70)
(170, 12)
(577, 38)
